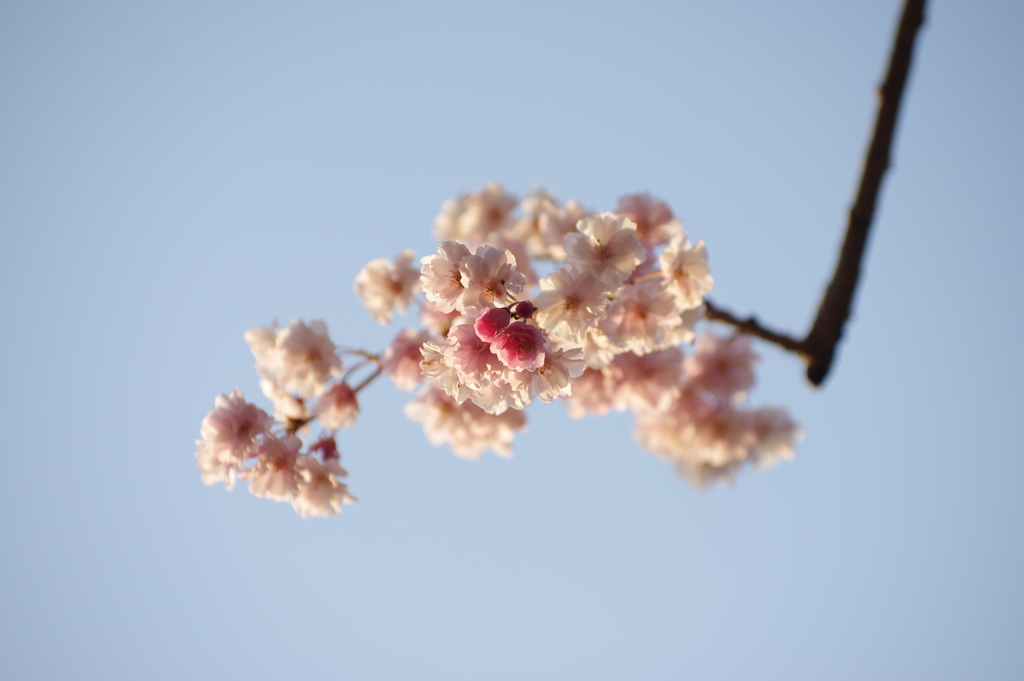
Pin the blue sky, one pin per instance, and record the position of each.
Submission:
(172, 174)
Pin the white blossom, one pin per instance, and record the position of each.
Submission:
(230, 433)
(570, 303)
(489, 276)
(605, 245)
(401, 359)
(470, 218)
(466, 428)
(301, 360)
(319, 492)
(686, 270)
(556, 377)
(655, 223)
(555, 223)
(648, 382)
(338, 408)
(722, 366)
(274, 476)
(441, 276)
(641, 316)
(384, 285)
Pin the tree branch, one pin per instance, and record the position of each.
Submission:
(753, 327)
(819, 346)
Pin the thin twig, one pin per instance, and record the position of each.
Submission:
(753, 327)
(369, 379)
(819, 347)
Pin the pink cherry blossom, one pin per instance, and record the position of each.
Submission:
(441, 276)
(523, 310)
(622, 293)
(466, 428)
(232, 427)
(507, 391)
(598, 349)
(686, 270)
(491, 323)
(605, 245)
(555, 378)
(591, 395)
(213, 469)
(648, 382)
(319, 491)
(470, 218)
(642, 316)
(438, 366)
(776, 434)
(524, 265)
(301, 359)
(401, 360)
(722, 366)
(570, 303)
(287, 407)
(338, 408)
(526, 229)
(489, 276)
(384, 285)
(655, 223)
(274, 476)
(439, 323)
(327, 447)
(555, 223)
(473, 358)
(520, 346)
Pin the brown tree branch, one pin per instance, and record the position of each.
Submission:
(753, 327)
(819, 346)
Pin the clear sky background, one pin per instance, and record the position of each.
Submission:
(172, 174)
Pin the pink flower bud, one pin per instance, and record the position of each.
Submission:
(327, 447)
(491, 323)
(523, 310)
(520, 347)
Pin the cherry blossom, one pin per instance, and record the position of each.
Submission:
(301, 359)
(520, 346)
(384, 285)
(491, 323)
(686, 270)
(338, 407)
(606, 246)
(489, 276)
(319, 492)
(655, 223)
(555, 223)
(274, 476)
(646, 382)
(604, 329)
(470, 218)
(723, 367)
(401, 360)
(232, 427)
(555, 378)
(230, 432)
(777, 434)
(591, 395)
(441, 276)
(642, 316)
(472, 357)
(570, 303)
(466, 428)
(439, 366)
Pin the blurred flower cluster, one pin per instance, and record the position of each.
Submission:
(524, 300)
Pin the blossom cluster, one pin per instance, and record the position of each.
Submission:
(239, 442)
(523, 300)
